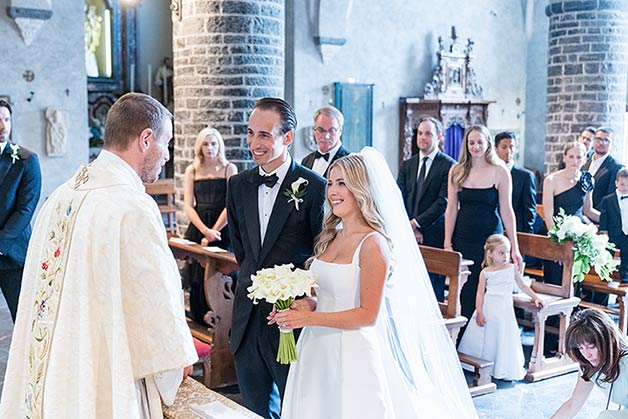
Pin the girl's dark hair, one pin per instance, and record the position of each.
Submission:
(594, 327)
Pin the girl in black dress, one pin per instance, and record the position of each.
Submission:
(478, 206)
(204, 202)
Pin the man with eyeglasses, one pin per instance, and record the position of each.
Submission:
(328, 122)
(602, 166)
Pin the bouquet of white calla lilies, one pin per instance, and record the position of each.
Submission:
(280, 286)
(590, 249)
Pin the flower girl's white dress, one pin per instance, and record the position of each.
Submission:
(346, 373)
(499, 340)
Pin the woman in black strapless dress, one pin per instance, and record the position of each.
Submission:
(478, 205)
(204, 201)
(569, 189)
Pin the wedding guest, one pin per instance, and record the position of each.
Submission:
(614, 219)
(268, 228)
(493, 333)
(601, 350)
(204, 202)
(479, 194)
(586, 139)
(20, 187)
(423, 183)
(101, 316)
(358, 356)
(523, 182)
(602, 166)
(328, 122)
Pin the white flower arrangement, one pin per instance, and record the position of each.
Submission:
(280, 286)
(296, 192)
(590, 249)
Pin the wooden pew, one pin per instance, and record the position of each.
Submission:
(559, 300)
(592, 282)
(456, 271)
(219, 295)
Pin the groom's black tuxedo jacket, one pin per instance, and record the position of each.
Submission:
(604, 179)
(523, 198)
(20, 186)
(289, 236)
(308, 161)
(429, 208)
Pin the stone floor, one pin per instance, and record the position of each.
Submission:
(511, 400)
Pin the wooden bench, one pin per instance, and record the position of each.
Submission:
(592, 282)
(163, 192)
(219, 296)
(559, 300)
(456, 271)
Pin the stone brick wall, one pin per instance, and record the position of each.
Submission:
(586, 74)
(227, 54)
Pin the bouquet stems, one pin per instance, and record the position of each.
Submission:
(287, 351)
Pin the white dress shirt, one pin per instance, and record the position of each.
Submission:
(623, 210)
(266, 196)
(595, 164)
(320, 164)
(2, 146)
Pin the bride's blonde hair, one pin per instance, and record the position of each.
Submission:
(356, 179)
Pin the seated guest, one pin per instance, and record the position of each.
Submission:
(328, 122)
(602, 166)
(204, 202)
(423, 183)
(601, 349)
(614, 219)
(586, 139)
(523, 184)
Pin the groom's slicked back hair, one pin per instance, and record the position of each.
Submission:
(129, 116)
(283, 108)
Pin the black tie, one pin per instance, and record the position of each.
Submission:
(420, 181)
(325, 156)
(624, 197)
(269, 181)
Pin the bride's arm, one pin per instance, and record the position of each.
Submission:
(374, 259)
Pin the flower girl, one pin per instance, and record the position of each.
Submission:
(493, 333)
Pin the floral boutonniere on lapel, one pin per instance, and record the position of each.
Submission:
(16, 152)
(296, 191)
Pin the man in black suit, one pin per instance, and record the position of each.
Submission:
(614, 220)
(602, 166)
(523, 183)
(423, 183)
(328, 122)
(267, 229)
(20, 186)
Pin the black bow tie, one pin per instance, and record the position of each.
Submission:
(325, 156)
(623, 197)
(269, 181)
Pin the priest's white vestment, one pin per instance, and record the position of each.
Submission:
(100, 307)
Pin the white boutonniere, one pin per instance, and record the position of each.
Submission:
(296, 191)
(16, 152)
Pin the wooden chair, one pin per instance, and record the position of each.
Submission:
(159, 189)
(559, 300)
(456, 271)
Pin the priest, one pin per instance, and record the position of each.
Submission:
(101, 321)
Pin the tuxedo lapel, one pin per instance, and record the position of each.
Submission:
(251, 216)
(414, 170)
(281, 212)
(603, 169)
(5, 162)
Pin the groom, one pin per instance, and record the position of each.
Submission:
(268, 229)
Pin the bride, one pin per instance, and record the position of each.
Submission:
(374, 343)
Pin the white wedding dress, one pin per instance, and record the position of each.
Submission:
(346, 373)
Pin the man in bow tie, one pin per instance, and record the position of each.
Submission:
(614, 220)
(328, 122)
(268, 228)
(20, 187)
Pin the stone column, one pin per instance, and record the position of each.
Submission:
(587, 71)
(226, 55)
